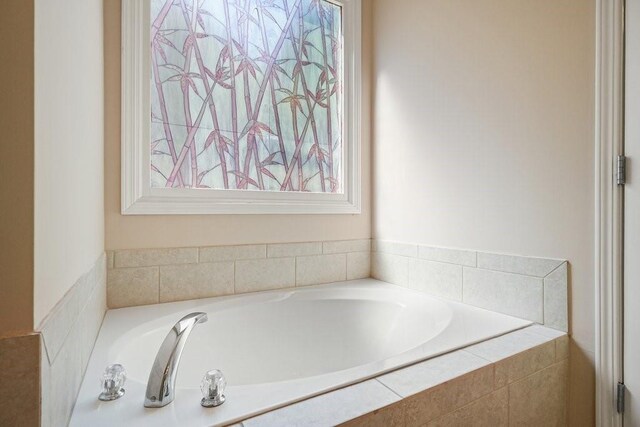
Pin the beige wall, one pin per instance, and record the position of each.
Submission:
(69, 186)
(172, 231)
(485, 111)
(16, 167)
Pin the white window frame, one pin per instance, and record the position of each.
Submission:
(139, 198)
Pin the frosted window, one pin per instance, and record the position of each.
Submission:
(246, 95)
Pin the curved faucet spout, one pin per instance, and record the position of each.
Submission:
(162, 378)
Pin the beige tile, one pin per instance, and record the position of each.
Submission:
(491, 410)
(345, 246)
(390, 268)
(525, 363)
(128, 287)
(529, 266)
(452, 256)
(433, 372)
(582, 387)
(396, 248)
(20, 380)
(192, 281)
(540, 399)
(314, 270)
(110, 259)
(265, 274)
(331, 408)
(513, 294)
(389, 416)
(154, 257)
(358, 265)
(436, 278)
(555, 299)
(283, 250)
(232, 253)
(562, 348)
(442, 399)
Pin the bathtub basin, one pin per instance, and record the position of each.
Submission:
(276, 348)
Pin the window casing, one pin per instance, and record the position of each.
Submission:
(253, 135)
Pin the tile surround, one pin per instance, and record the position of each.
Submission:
(477, 383)
(507, 293)
(264, 274)
(151, 276)
(528, 266)
(395, 248)
(489, 410)
(232, 253)
(436, 278)
(67, 337)
(532, 288)
(343, 404)
(531, 408)
(526, 287)
(390, 268)
(133, 286)
(184, 282)
(452, 256)
(358, 265)
(556, 298)
(154, 257)
(346, 246)
(281, 250)
(314, 269)
(423, 376)
(437, 401)
(458, 388)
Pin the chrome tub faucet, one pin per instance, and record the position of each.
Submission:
(162, 378)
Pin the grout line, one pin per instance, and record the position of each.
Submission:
(509, 403)
(462, 287)
(557, 268)
(235, 266)
(544, 312)
(491, 362)
(158, 267)
(389, 388)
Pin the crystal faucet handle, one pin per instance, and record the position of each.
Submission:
(212, 387)
(112, 382)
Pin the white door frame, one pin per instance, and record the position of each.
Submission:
(608, 206)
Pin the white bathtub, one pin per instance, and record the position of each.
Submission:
(276, 348)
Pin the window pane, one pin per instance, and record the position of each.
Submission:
(246, 95)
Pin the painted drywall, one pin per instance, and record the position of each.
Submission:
(16, 167)
(69, 152)
(124, 232)
(484, 138)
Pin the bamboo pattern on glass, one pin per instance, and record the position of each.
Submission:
(246, 95)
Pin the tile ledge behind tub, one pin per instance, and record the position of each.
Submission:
(151, 276)
(500, 381)
(527, 287)
(531, 288)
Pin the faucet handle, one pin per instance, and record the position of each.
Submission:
(112, 381)
(212, 387)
